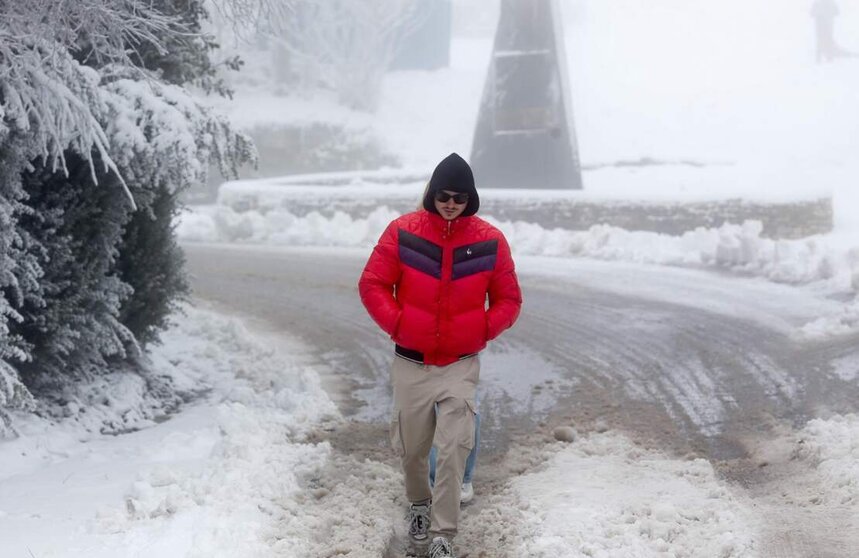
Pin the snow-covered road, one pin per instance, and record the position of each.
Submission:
(258, 462)
(690, 362)
(662, 353)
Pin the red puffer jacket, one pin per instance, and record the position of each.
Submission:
(426, 285)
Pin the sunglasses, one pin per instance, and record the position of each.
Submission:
(443, 197)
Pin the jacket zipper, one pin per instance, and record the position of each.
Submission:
(442, 288)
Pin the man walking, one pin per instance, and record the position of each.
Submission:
(441, 282)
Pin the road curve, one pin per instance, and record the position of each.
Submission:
(686, 377)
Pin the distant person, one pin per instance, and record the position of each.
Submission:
(441, 282)
(824, 13)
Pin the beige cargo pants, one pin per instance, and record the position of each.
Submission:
(416, 427)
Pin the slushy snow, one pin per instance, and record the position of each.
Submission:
(236, 473)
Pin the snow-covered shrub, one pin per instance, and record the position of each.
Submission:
(151, 263)
(94, 148)
(19, 275)
(13, 395)
(164, 140)
(75, 224)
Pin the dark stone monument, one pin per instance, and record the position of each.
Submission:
(525, 136)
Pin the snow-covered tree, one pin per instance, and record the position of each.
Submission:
(166, 140)
(44, 91)
(96, 140)
(76, 223)
(341, 45)
(186, 58)
(19, 277)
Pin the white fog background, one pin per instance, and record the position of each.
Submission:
(730, 84)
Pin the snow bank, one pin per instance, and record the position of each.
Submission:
(842, 322)
(739, 248)
(199, 484)
(604, 497)
(268, 403)
(825, 263)
(830, 445)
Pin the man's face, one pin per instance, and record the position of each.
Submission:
(450, 204)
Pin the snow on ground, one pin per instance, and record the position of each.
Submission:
(847, 367)
(197, 484)
(737, 247)
(830, 445)
(237, 473)
(604, 497)
(780, 307)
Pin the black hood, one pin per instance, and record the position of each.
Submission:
(453, 174)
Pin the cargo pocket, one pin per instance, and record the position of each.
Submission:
(467, 432)
(397, 435)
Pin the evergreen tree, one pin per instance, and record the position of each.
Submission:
(75, 226)
(20, 276)
(150, 258)
(95, 147)
(151, 262)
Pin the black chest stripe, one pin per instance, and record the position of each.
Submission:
(474, 258)
(419, 254)
(476, 250)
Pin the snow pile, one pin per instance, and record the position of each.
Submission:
(280, 227)
(831, 446)
(204, 482)
(351, 509)
(845, 321)
(846, 367)
(259, 452)
(603, 497)
(197, 224)
(739, 248)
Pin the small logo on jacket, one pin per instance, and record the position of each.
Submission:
(468, 251)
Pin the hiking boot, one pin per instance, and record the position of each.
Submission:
(467, 493)
(440, 547)
(419, 522)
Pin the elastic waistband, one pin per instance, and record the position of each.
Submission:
(417, 356)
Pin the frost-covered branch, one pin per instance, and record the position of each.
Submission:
(249, 19)
(103, 29)
(13, 395)
(83, 100)
(45, 91)
(46, 86)
(347, 46)
(343, 46)
(174, 134)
